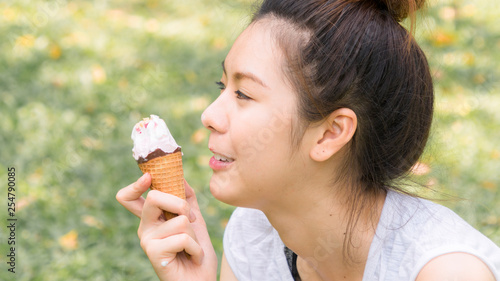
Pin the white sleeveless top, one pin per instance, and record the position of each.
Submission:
(410, 233)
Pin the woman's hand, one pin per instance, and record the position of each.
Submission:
(180, 248)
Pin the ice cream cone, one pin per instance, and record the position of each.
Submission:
(166, 175)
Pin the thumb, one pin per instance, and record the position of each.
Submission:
(191, 196)
(199, 225)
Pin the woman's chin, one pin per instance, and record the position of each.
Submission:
(225, 192)
(219, 190)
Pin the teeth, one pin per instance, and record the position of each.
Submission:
(222, 158)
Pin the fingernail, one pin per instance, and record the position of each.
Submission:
(164, 263)
(192, 216)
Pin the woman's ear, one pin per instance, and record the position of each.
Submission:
(333, 134)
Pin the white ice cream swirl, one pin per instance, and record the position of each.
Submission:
(149, 135)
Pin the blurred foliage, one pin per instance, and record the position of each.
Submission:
(76, 76)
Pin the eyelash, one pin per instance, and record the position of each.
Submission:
(239, 94)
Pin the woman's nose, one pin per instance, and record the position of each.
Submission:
(214, 117)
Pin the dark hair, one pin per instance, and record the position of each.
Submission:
(355, 54)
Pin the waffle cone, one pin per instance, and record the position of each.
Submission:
(166, 175)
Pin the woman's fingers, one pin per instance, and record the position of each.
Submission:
(199, 225)
(166, 249)
(175, 226)
(169, 238)
(190, 194)
(193, 202)
(179, 245)
(130, 196)
(157, 202)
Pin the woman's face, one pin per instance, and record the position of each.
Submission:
(250, 124)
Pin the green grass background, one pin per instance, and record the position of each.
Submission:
(75, 76)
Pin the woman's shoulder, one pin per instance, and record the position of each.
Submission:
(425, 221)
(456, 266)
(413, 231)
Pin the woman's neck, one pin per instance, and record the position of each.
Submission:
(314, 226)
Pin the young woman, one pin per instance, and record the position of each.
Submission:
(323, 106)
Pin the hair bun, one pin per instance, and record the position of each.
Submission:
(401, 9)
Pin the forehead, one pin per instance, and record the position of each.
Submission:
(256, 51)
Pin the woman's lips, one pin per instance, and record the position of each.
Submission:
(218, 164)
(220, 161)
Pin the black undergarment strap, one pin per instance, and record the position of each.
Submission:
(291, 259)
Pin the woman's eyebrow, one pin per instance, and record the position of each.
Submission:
(245, 75)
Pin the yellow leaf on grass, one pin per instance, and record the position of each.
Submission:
(488, 185)
(69, 241)
(203, 160)
(479, 79)
(199, 135)
(91, 143)
(219, 43)
(495, 154)
(199, 103)
(92, 221)
(469, 59)
(24, 202)
(26, 41)
(9, 14)
(55, 52)
(447, 13)
(211, 210)
(152, 25)
(468, 10)
(191, 76)
(123, 84)
(492, 220)
(98, 74)
(223, 223)
(442, 38)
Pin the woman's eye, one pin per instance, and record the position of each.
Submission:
(241, 96)
(221, 85)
